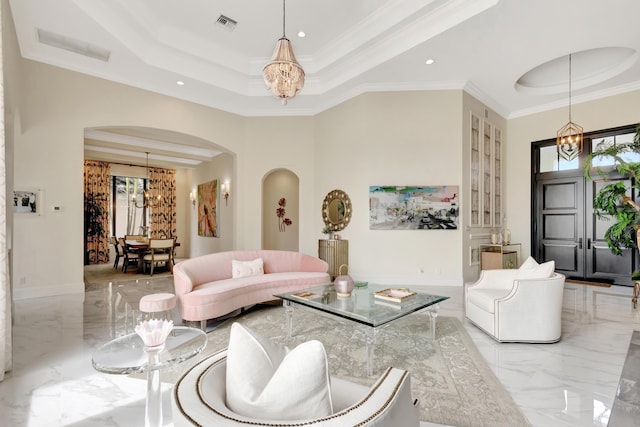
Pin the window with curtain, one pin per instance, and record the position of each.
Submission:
(111, 197)
(163, 217)
(96, 211)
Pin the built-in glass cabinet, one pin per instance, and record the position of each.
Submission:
(486, 174)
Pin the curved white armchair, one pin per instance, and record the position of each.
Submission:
(199, 399)
(514, 309)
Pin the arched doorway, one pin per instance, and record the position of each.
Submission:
(280, 207)
(132, 150)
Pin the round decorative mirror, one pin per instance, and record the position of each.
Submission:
(336, 210)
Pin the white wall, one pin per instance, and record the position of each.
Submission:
(58, 106)
(221, 168)
(408, 138)
(271, 144)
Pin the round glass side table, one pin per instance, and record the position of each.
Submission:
(128, 355)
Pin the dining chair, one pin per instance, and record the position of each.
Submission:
(173, 250)
(129, 256)
(160, 250)
(118, 248)
(136, 237)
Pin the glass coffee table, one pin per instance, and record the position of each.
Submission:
(128, 355)
(361, 307)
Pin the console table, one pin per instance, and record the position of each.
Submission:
(335, 253)
(499, 256)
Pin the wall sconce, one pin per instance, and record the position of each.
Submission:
(193, 197)
(224, 189)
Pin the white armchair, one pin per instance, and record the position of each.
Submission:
(199, 399)
(517, 306)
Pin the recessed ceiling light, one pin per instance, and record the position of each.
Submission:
(180, 83)
(301, 34)
(430, 61)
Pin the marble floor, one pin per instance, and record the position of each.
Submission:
(571, 383)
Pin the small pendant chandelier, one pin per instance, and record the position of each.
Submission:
(283, 75)
(148, 200)
(570, 136)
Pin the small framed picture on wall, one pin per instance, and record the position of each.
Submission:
(27, 202)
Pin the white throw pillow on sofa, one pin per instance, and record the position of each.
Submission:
(247, 268)
(265, 379)
(530, 269)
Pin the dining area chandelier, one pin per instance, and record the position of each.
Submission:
(148, 199)
(283, 75)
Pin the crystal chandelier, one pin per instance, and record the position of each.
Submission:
(148, 200)
(283, 75)
(569, 137)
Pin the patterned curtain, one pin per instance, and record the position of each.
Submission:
(163, 217)
(5, 280)
(96, 211)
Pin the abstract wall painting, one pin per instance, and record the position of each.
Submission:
(208, 209)
(414, 207)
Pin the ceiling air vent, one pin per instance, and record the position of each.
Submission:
(226, 23)
(73, 45)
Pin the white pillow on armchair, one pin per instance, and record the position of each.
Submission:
(530, 269)
(266, 379)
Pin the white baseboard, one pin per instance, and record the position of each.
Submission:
(47, 291)
(409, 280)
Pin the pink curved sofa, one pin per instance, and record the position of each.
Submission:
(205, 289)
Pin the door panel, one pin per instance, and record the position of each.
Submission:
(561, 221)
(565, 256)
(561, 226)
(602, 264)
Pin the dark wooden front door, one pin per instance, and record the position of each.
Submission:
(560, 224)
(568, 232)
(565, 228)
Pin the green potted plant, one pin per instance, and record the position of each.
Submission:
(615, 200)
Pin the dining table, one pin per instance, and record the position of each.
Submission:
(141, 247)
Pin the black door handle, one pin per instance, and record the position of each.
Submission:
(580, 243)
(589, 243)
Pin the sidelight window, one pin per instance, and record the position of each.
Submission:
(599, 144)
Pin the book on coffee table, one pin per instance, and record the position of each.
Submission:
(394, 295)
(307, 295)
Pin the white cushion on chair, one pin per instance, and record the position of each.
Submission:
(157, 257)
(530, 269)
(266, 379)
(486, 298)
